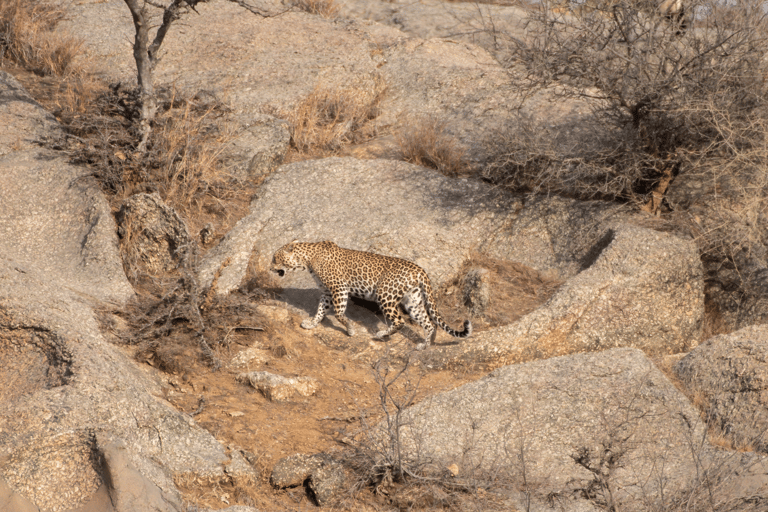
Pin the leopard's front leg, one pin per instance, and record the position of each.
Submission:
(340, 298)
(322, 309)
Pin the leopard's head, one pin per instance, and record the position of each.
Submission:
(288, 258)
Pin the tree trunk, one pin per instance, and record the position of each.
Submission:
(144, 68)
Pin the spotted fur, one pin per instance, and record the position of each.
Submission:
(389, 281)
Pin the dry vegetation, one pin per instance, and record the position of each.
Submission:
(664, 103)
(342, 121)
(329, 119)
(324, 8)
(668, 107)
(28, 40)
(426, 142)
(182, 161)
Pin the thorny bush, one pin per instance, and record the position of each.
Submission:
(664, 99)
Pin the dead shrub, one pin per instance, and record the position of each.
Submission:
(330, 118)
(426, 142)
(187, 146)
(181, 162)
(27, 37)
(324, 8)
(662, 101)
(76, 95)
(175, 325)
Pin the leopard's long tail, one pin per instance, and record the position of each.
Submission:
(431, 307)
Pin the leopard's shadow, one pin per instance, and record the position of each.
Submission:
(365, 314)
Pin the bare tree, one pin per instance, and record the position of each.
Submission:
(147, 54)
(664, 99)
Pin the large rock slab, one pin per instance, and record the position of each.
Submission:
(382, 206)
(607, 426)
(640, 288)
(729, 376)
(53, 217)
(68, 399)
(248, 61)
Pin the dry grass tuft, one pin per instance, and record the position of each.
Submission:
(182, 163)
(427, 143)
(187, 147)
(324, 8)
(331, 118)
(27, 37)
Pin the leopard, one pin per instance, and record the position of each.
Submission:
(389, 281)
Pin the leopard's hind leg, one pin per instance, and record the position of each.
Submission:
(340, 299)
(393, 318)
(414, 305)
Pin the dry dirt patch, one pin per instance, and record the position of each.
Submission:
(243, 418)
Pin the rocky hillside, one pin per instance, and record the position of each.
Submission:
(150, 362)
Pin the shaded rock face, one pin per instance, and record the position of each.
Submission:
(14, 502)
(559, 423)
(154, 238)
(729, 376)
(643, 290)
(130, 491)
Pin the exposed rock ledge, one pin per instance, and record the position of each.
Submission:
(72, 406)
